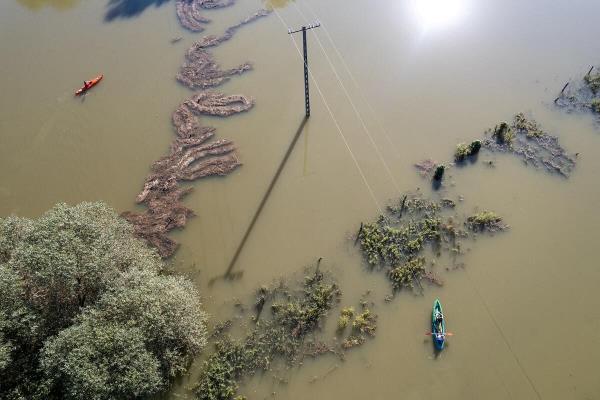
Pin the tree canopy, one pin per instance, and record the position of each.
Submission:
(87, 310)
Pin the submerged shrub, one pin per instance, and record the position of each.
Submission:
(596, 105)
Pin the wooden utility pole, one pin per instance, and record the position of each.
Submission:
(306, 93)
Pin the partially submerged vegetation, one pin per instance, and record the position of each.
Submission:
(398, 242)
(523, 137)
(583, 94)
(526, 139)
(286, 333)
(485, 221)
(87, 311)
(463, 150)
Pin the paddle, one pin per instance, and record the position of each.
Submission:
(445, 334)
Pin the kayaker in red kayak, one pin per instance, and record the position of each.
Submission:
(88, 85)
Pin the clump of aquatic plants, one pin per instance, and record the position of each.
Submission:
(397, 241)
(503, 134)
(363, 326)
(408, 273)
(439, 172)
(365, 322)
(583, 94)
(528, 141)
(485, 221)
(345, 318)
(401, 241)
(592, 80)
(283, 333)
(527, 126)
(464, 150)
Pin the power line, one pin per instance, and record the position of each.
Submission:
(355, 82)
(337, 125)
(358, 115)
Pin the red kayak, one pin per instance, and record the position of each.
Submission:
(87, 85)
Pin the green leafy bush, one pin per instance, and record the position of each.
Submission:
(86, 312)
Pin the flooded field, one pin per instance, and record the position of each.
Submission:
(417, 77)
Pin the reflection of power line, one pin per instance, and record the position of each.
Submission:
(263, 202)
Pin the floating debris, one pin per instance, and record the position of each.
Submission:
(213, 40)
(525, 139)
(583, 95)
(425, 167)
(191, 157)
(190, 12)
(296, 314)
(200, 69)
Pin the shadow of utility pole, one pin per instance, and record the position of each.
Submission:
(229, 272)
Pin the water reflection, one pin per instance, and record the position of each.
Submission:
(56, 4)
(436, 14)
(129, 8)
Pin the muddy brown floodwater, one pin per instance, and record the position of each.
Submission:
(423, 76)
